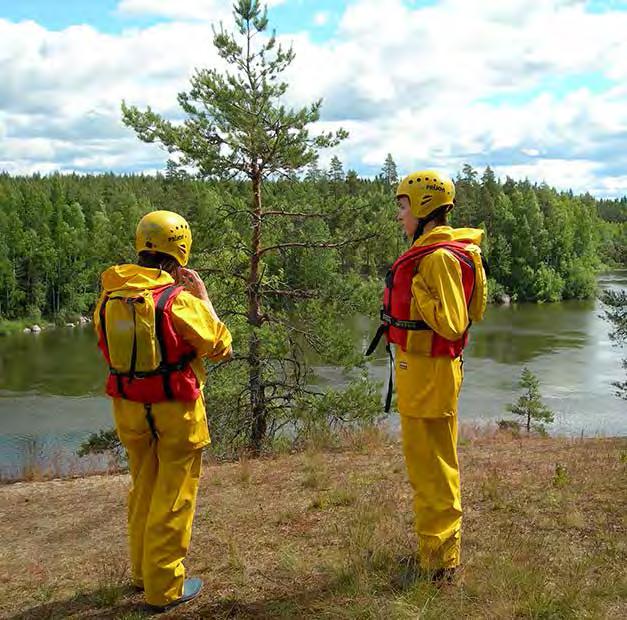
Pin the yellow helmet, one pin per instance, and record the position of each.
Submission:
(166, 232)
(427, 191)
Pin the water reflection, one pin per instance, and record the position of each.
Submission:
(51, 383)
(522, 332)
(61, 361)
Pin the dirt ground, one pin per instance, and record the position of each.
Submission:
(322, 535)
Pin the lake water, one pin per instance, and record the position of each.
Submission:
(51, 383)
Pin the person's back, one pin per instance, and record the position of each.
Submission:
(153, 334)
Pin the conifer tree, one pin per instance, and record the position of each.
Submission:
(389, 172)
(616, 314)
(237, 127)
(530, 405)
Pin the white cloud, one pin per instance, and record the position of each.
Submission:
(580, 175)
(64, 90)
(203, 10)
(321, 18)
(432, 85)
(461, 80)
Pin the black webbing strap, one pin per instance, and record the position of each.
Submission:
(103, 322)
(151, 421)
(388, 397)
(131, 302)
(118, 380)
(371, 348)
(386, 322)
(410, 325)
(375, 341)
(159, 310)
(143, 374)
(486, 266)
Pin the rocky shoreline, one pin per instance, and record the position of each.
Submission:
(36, 328)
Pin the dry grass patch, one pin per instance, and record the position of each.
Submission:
(329, 535)
(245, 470)
(316, 472)
(335, 498)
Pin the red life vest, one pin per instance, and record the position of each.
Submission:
(174, 378)
(395, 313)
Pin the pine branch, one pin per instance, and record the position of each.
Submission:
(306, 244)
(236, 358)
(227, 313)
(298, 293)
(222, 272)
(294, 214)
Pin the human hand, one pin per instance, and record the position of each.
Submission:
(192, 282)
(195, 285)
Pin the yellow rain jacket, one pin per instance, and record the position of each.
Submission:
(428, 387)
(427, 391)
(164, 470)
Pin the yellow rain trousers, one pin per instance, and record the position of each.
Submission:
(427, 390)
(165, 470)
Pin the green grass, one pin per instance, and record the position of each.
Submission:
(333, 498)
(316, 474)
(108, 595)
(13, 327)
(134, 615)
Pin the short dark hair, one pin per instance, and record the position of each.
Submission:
(440, 215)
(157, 260)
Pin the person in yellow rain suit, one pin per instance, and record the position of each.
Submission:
(433, 292)
(155, 324)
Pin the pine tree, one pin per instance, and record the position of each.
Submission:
(237, 127)
(336, 170)
(352, 182)
(616, 314)
(389, 172)
(530, 404)
(313, 173)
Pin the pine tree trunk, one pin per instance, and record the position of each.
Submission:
(257, 391)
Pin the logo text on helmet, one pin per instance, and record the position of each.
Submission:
(178, 238)
(436, 188)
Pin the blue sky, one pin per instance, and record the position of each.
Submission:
(60, 14)
(104, 16)
(535, 88)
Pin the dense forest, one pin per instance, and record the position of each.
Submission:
(290, 253)
(58, 233)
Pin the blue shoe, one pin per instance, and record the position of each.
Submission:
(191, 589)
